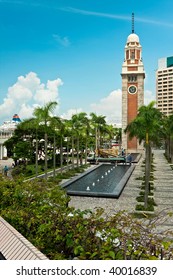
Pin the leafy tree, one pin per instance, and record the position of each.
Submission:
(23, 150)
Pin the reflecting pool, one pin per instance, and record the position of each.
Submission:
(104, 180)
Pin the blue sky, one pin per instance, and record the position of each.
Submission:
(72, 51)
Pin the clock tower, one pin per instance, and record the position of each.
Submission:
(133, 76)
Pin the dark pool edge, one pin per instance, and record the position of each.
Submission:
(115, 194)
(119, 188)
(77, 177)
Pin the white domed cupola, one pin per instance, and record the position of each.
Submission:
(132, 38)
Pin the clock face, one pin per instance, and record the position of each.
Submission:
(132, 89)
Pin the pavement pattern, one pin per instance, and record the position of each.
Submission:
(163, 193)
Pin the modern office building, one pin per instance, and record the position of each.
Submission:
(164, 85)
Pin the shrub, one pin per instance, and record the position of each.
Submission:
(140, 207)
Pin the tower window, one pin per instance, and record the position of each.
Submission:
(132, 78)
(132, 55)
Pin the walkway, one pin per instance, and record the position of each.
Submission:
(163, 183)
(7, 162)
(13, 246)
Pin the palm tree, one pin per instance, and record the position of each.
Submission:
(86, 130)
(71, 134)
(99, 124)
(147, 127)
(43, 115)
(77, 126)
(55, 124)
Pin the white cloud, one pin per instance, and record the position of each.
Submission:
(116, 16)
(70, 113)
(148, 97)
(49, 92)
(64, 41)
(26, 111)
(27, 93)
(109, 106)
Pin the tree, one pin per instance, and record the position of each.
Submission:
(32, 124)
(43, 115)
(99, 124)
(77, 126)
(59, 129)
(21, 144)
(147, 127)
(85, 130)
(81, 125)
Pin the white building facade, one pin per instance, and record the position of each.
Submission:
(164, 85)
(6, 131)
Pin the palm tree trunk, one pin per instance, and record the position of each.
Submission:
(54, 156)
(171, 149)
(67, 156)
(96, 150)
(36, 157)
(147, 174)
(86, 144)
(61, 155)
(78, 151)
(72, 152)
(45, 151)
(167, 147)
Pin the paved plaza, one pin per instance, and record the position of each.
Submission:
(163, 191)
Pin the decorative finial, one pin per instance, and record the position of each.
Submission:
(132, 22)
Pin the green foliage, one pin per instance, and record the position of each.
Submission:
(142, 193)
(150, 200)
(39, 210)
(140, 207)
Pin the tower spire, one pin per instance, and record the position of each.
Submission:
(132, 22)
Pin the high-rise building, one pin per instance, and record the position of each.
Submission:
(164, 85)
(133, 76)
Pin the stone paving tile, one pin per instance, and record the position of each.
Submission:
(163, 192)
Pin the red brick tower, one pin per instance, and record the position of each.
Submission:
(133, 76)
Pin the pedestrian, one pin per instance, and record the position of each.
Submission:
(123, 152)
(129, 159)
(5, 170)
